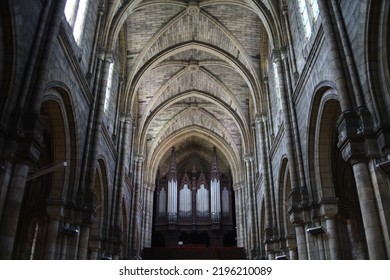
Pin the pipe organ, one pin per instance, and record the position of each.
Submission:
(193, 207)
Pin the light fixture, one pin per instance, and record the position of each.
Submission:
(316, 230)
(384, 165)
(70, 230)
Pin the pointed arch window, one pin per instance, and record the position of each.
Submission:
(76, 12)
(109, 86)
(308, 10)
(278, 98)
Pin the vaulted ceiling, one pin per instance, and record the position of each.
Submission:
(193, 79)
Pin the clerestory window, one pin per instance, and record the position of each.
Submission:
(109, 86)
(76, 12)
(308, 11)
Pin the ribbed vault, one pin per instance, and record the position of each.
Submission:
(193, 72)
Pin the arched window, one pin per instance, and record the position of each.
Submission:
(109, 86)
(308, 10)
(278, 98)
(75, 12)
(314, 9)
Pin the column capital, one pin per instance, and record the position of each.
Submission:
(126, 117)
(238, 186)
(149, 186)
(276, 55)
(351, 137)
(139, 158)
(260, 118)
(285, 9)
(105, 54)
(248, 157)
(284, 53)
(329, 207)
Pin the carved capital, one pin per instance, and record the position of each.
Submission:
(350, 141)
(329, 207)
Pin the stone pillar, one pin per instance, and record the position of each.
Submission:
(11, 212)
(137, 207)
(271, 132)
(51, 241)
(94, 247)
(268, 198)
(5, 177)
(380, 184)
(298, 212)
(124, 147)
(301, 242)
(287, 120)
(251, 218)
(97, 119)
(27, 150)
(290, 43)
(148, 216)
(55, 212)
(354, 129)
(372, 226)
(94, 253)
(337, 67)
(291, 244)
(240, 215)
(293, 120)
(83, 243)
(73, 244)
(328, 210)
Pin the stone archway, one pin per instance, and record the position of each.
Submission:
(333, 186)
(46, 188)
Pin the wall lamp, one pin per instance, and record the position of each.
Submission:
(316, 230)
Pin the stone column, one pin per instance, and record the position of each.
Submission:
(334, 50)
(271, 133)
(298, 213)
(83, 243)
(11, 212)
(290, 43)
(291, 243)
(51, 241)
(137, 206)
(251, 218)
(380, 183)
(55, 212)
(352, 128)
(124, 147)
(301, 242)
(372, 226)
(268, 198)
(94, 253)
(148, 216)
(328, 210)
(27, 150)
(240, 215)
(94, 247)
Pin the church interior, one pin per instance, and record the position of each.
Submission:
(200, 129)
